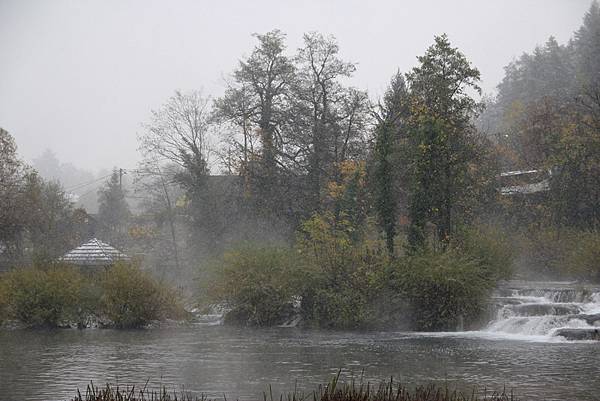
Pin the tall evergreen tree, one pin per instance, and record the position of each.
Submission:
(442, 148)
(391, 127)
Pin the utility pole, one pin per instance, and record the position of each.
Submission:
(121, 172)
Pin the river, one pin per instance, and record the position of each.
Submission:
(240, 363)
(513, 352)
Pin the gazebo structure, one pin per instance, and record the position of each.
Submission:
(93, 254)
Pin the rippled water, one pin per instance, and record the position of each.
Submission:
(51, 365)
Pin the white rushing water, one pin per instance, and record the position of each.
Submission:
(547, 311)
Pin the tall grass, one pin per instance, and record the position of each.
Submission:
(334, 391)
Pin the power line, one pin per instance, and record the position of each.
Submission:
(121, 172)
(87, 193)
(85, 184)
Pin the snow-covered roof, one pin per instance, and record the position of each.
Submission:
(94, 253)
(518, 172)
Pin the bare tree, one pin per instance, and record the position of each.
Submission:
(158, 189)
(236, 109)
(178, 132)
(257, 99)
(328, 119)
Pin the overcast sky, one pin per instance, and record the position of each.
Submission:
(80, 76)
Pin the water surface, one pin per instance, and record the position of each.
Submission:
(240, 363)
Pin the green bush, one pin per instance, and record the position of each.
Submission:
(565, 253)
(491, 249)
(345, 282)
(3, 300)
(258, 284)
(542, 252)
(583, 256)
(43, 298)
(132, 298)
(444, 290)
(61, 295)
(345, 275)
(341, 308)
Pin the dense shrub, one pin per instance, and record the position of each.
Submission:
(3, 300)
(122, 296)
(444, 290)
(343, 307)
(132, 298)
(45, 298)
(542, 252)
(345, 274)
(345, 282)
(258, 284)
(563, 253)
(490, 248)
(583, 257)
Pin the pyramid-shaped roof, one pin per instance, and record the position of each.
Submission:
(94, 253)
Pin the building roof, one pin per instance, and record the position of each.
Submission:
(94, 253)
(518, 172)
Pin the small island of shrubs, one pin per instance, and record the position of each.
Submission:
(331, 278)
(121, 296)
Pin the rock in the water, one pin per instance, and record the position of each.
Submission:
(579, 334)
(546, 309)
(593, 320)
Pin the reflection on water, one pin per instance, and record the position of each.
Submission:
(51, 365)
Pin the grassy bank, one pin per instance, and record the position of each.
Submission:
(334, 391)
(122, 296)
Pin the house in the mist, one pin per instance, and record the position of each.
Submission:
(524, 182)
(94, 254)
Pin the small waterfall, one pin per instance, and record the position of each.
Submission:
(547, 310)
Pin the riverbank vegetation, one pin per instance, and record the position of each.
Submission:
(351, 212)
(332, 281)
(333, 391)
(122, 296)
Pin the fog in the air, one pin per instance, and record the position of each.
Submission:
(348, 200)
(79, 77)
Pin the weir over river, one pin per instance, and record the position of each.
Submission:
(519, 349)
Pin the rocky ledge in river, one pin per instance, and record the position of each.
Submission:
(579, 334)
(592, 320)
